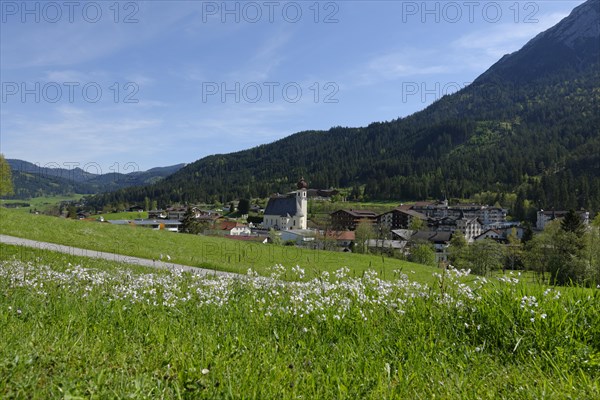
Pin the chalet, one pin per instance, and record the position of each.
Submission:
(342, 239)
(399, 218)
(349, 219)
(288, 211)
(501, 234)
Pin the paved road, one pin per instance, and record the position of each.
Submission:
(106, 256)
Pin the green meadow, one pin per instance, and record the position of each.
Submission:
(200, 251)
(77, 328)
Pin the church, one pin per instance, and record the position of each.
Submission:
(290, 211)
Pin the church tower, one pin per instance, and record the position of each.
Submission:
(302, 204)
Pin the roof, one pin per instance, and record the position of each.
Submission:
(434, 237)
(359, 213)
(412, 213)
(283, 206)
(403, 233)
(341, 235)
(229, 225)
(387, 244)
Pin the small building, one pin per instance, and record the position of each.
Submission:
(301, 237)
(343, 239)
(232, 228)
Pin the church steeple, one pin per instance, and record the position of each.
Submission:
(302, 184)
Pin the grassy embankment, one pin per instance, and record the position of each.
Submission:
(104, 330)
(207, 252)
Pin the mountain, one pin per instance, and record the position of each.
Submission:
(31, 180)
(529, 125)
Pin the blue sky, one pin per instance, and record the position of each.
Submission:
(107, 84)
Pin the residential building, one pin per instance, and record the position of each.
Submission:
(399, 218)
(543, 217)
(349, 219)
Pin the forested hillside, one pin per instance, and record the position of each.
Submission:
(528, 125)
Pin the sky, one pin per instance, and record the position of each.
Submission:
(117, 86)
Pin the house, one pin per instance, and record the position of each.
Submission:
(492, 234)
(135, 208)
(543, 217)
(342, 239)
(157, 214)
(399, 218)
(290, 211)
(349, 219)
(232, 228)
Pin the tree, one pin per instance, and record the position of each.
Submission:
(572, 223)
(457, 248)
(364, 232)
(244, 206)
(423, 254)
(190, 224)
(6, 185)
(416, 224)
(274, 237)
(513, 251)
(485, 256)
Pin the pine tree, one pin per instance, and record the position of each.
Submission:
(573, 223)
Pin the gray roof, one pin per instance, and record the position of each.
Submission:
(434, 237)
(283, 206)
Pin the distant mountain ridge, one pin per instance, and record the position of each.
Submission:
(33, 180)
(528, 125)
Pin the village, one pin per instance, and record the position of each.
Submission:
(396, 232)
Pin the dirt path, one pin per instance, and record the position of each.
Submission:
(106, 256)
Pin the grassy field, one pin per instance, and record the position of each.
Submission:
(207, 252)
(78, 328)
(123, 215)
(41, 203)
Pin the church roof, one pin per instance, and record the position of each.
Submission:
(283, 206)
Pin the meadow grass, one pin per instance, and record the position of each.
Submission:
(42, 203)
(102, 330)
(199, 251)
(130, 215)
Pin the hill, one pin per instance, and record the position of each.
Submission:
(529, 124)
(32, 180)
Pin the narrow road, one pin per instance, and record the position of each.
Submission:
(107, 256)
